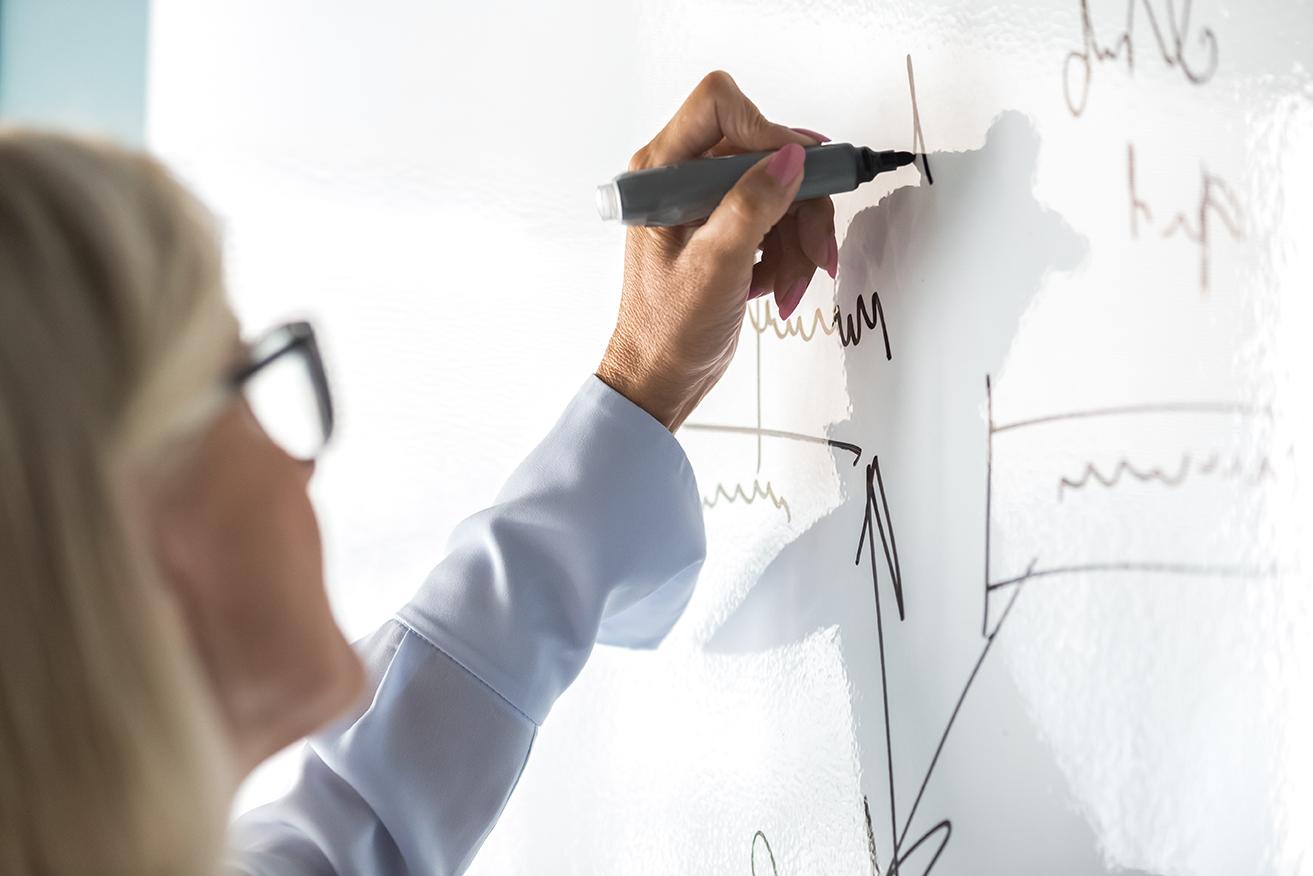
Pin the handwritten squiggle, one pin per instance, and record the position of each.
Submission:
(1183, 472)
(1171, 48)
(848, 327)
(1216, 199)
(790, 328)
(738, 494)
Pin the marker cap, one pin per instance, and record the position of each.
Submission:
(608, 201)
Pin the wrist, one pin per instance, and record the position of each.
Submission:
(623, 370)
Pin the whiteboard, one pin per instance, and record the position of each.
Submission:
(1007, 566)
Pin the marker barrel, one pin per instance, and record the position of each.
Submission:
(689, 191)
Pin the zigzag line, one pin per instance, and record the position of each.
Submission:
(847, 326)
(1182, 473)
(738, 494)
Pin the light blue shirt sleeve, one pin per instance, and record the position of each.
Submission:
(596, 537)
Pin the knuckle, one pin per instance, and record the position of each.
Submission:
(753, 120)
(740, 211)
(744, 209)
(718, 83)
(641, 159)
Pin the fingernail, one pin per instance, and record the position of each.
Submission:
(793, 297)
(832, 258)
(820, 138)
(785, 165)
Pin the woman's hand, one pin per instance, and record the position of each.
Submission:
(686, 288)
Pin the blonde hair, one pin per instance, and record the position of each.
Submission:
(114, 330)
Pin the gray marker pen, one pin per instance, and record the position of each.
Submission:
(690, 190)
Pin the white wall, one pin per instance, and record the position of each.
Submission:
(419, 177)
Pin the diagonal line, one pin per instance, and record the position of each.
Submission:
(934, 760)
(1219, 571)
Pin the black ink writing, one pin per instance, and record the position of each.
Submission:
(945, 826)
(761, 837)
(1216, 408)
(1192, 570)
(1188, 466)
(1078, 68)
(870, 836)
(877, 518)
(777, 433)
(848, 327)
(1210, 466)
(918, 135)
(1215, 200)
(938, 835)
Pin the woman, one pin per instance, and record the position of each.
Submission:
(164, 625)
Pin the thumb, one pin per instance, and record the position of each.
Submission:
(749, 210)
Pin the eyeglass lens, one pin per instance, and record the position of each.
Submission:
(284, 399)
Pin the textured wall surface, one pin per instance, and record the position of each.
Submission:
(1015, 549)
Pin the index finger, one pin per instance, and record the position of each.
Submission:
(715, 111)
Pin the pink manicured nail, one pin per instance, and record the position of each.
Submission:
(793, 296)
(785, 165)
(820, 138)
(832, 258)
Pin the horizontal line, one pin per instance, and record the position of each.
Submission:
(776, 433)
(1173, 408)
(1157, 568)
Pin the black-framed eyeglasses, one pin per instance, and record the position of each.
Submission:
(285, 385)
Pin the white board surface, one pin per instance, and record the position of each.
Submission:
(1023, 564)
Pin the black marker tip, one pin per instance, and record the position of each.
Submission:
(878, 162)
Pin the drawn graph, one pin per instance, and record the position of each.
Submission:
(1135, 480)
(1251, 470)
(847, 329)
(877, 546)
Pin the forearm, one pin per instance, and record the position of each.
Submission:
(597, 536)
